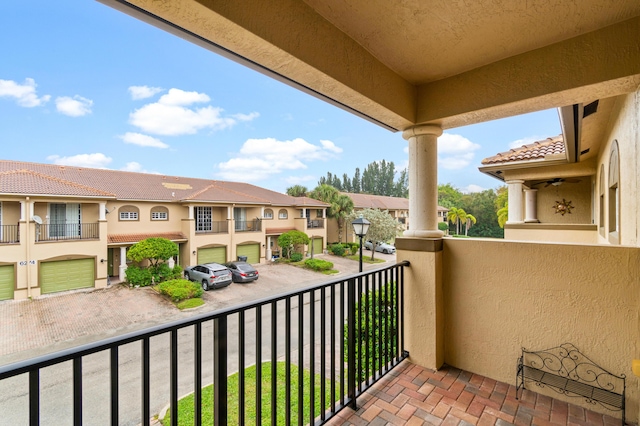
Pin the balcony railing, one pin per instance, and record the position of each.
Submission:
(67, 231)
(216, 227)
(345, 335)
(9, 234)
(316, 223)
(248, 225)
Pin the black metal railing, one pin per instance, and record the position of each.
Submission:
(248, 225)
(340, 338)
(215, 227)
(67, 231)
(9, 234)
(316, 223)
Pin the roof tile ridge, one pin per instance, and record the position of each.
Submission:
(214, 185)
(53, 178)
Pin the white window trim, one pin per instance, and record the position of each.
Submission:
(268, 214)
(128, 215)
(160, 215)
(283, 214)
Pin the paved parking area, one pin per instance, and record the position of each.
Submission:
(50, 323)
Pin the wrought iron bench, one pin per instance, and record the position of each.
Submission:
(567, 371)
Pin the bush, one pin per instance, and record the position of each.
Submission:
(179, 290)
(177, 272)
(337, 249)
(137, 276)
(161, 272)
(318, 264)
(296, 257)
(354, 247)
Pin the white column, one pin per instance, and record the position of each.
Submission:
(531, 206)
(123, 264)
(23, 210)
(103, 211)
(267, 254)
(191, 209)
(229, 212)
(423, 181)
(262, 211)
(515, 201)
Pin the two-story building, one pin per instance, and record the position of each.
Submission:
(64, 228)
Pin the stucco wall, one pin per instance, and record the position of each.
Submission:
(539, 296)
(578, 193)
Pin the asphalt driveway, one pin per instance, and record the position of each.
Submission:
(51, 323)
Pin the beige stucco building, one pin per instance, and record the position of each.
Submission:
(65, 227)
(420, 67)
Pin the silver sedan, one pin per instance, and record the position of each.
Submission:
(210, 275)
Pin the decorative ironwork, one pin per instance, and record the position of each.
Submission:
(568, 371)
(563, 207)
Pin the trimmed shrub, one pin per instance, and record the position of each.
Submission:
(137, 276)
(318, 264)
(161, 272)
(354, 247)
(180, 289)
(337, 249)
(296, 257)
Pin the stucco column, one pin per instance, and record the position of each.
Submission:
(267, 254)
(123, 264)
(515, 201)
(191, 215)
(423, 181)
(103, 211)
(531, 206)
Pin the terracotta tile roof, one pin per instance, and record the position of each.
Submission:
(271, 231)
(134, 238)
(535, 151)
(131, 186)
(363, 201)
(24, 181)
(309, 202)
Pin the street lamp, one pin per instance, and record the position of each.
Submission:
(360, 228)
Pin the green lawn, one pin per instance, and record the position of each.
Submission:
(366, 258)
(185, 405)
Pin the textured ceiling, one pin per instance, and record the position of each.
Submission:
(427, 40)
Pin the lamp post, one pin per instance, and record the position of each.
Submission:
(360, 228)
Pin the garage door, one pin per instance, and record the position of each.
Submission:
(66, 275)
(6, 282)
(252, 251)
(317, 246)
(212, 255)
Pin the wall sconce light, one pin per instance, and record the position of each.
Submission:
(193, 252)
(264, 245)
(103, 260)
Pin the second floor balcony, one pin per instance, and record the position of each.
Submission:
(214, 227)
(67, 231)
(9, 234)
(248, 225)
(315, 223)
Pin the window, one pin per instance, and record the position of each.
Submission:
(129, 213)
(268, 214)
(282, 214)
(614, 194)
(64, 220)
(203, 219)
(319, 212)
(601, 201)
(159, 213)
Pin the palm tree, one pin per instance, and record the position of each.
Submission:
(297, 191)
(325, 193)
(453, 217)
(470, 219)
(503, 215)
(341, 207)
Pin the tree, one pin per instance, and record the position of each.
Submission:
(449, 196)
(503, 215)
(297, 191)
(325, 193)
(378, 178)
(453, 216)
(383, 226)
(154, 249)
(469, 220)
(291, 241)
(340, 208)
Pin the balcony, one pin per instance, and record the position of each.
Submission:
(214, 227)
(67, 232)
(316, 223)
(248, 225)
(9, 234)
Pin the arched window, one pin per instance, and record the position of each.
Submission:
(614, 194)
(268, 214)
(129, 213)
(159, 213)
(283, 214)
(601, 191)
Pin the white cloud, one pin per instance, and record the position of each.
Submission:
(525, 141)
(330, 146)
(171, 116)
(96, 160)
(24, 94)
(262, 158)
(455, 151)
(73, 107)
(472, 188)
(299, 180)
(143, 92)
(134, 166)
(143, 140)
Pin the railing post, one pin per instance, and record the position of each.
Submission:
(351, 343)
(220, 370)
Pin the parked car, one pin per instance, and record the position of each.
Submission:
(242, 272)
(380, 247)
(210, 275)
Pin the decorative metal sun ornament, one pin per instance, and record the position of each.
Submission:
(563, 207)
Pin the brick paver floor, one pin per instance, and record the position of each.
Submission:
(412, 395)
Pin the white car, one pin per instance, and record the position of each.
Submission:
(380, 247)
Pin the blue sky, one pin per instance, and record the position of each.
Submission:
(83, 84)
